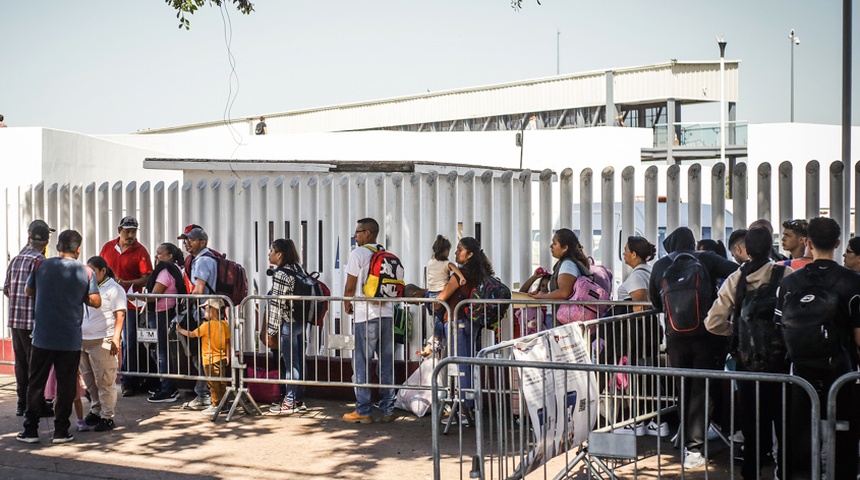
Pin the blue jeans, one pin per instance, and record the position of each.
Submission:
(374, 336)
(161, 321)
(468, 336)
(439, 332)
(293, 358)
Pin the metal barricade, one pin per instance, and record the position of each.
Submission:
(554, 431)
(323, 355)
(155, 349)
(842, 423)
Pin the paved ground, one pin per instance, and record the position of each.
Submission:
(155, 441)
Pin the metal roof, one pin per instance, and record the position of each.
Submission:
(686, 82)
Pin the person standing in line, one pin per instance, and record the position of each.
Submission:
(102, 333)
(203, 276)
(130, 262)
(794, 234)
(374, 329)
(21, 306)
(691, 347)
(738, 247)
(62, 286)
(281, 321)
(774, 253)
(261, 128)
(851, 256)
(818, 308)
(760, 403)
(168, 279)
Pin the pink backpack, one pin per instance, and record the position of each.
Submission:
(591, 286)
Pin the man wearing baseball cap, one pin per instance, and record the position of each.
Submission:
(22, 306)
(132, 265)
(202, 270)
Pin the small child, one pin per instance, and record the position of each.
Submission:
(214, 336)
(439, 270)
(530, 315)
(51, 393)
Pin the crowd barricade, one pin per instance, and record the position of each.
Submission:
(841, 425)
(631, 388)
(156, 341)
(553, 434)
(327, 350)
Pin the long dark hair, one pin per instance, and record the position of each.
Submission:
(99, 263)
(174, 268)
(477, 268)
(287, 248)
(566, 238)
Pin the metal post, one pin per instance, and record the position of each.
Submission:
(262, 245)
(794, 40)
(718, 202)
(525, 223)
(764, 191)
(739, 197)
(158, 214)
(607, 218)
(628, 207)
(412, 242)
(694, 200)
(329, 242)
(786, 192)
(586, 214)
(131, 199)
(846, 115)
(64, 207)
(673, 198)
(90, 218)
(468, 199)
(487, 211)
(295, 217)
(144, 235)
(545, 219)
(722, 43)
(278, 202)
(173, 226)
(103, 199)
(312, 262)
(116, 209)
(396, 221)
(566, 197)
(229, 212)
(376, 207)
(837, 208)
(448, 211)
(650, 231)
(813, 189)
(506, 227)
(429, 209)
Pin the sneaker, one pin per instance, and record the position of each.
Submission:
(199, 403)
(128, 390)
(300, 406)
(639, 429)
(693, 459)
(19, 411)
(283, 408)
(104, 425)
(28, 437)
(655, 430)
(461, 419)
(92, 419)
(62, 438)
(355, 417)
(388, 418)
(82, 426)
(163, 397)
(738, 437)
(210, 410)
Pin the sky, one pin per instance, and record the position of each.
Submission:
(82, 66)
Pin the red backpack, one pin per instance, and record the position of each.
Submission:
(385, 274)
(231, 279)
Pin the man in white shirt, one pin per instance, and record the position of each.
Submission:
(373, 328)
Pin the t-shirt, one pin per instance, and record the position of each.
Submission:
(637, 280)
(61, 286)
(206, 268)
(261, 128)
(437, 274)
(165, 278)
(130, 264)
(99, 322)
(358, 266)
(213, 340)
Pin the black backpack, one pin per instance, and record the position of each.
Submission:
(687, 294)
(759, 343)
(808, 325)
(306, 284)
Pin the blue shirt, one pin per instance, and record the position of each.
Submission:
(205, 268)
(62, 285)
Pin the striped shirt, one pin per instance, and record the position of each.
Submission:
(21, 307)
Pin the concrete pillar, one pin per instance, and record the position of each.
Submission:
(837, 206)
(566, 197)
(524, 185)
(90, 219)
(277, 210)
(786, 192)
(159, 215)
(763, 197)
(607, 219)
(673, 197)
(468, 200)
(506, 227)
(586, 215)
(813, 189)
(650, 231)
(739, 197)
(144, 217)
(104, 223)
(718, 202)
(487, 215)
(545, 217)
(116, 208)
(174, 228)
(312, 262)
(295, 216)
(259, 255)
(628, 209)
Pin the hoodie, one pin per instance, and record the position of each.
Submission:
(682, 240)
